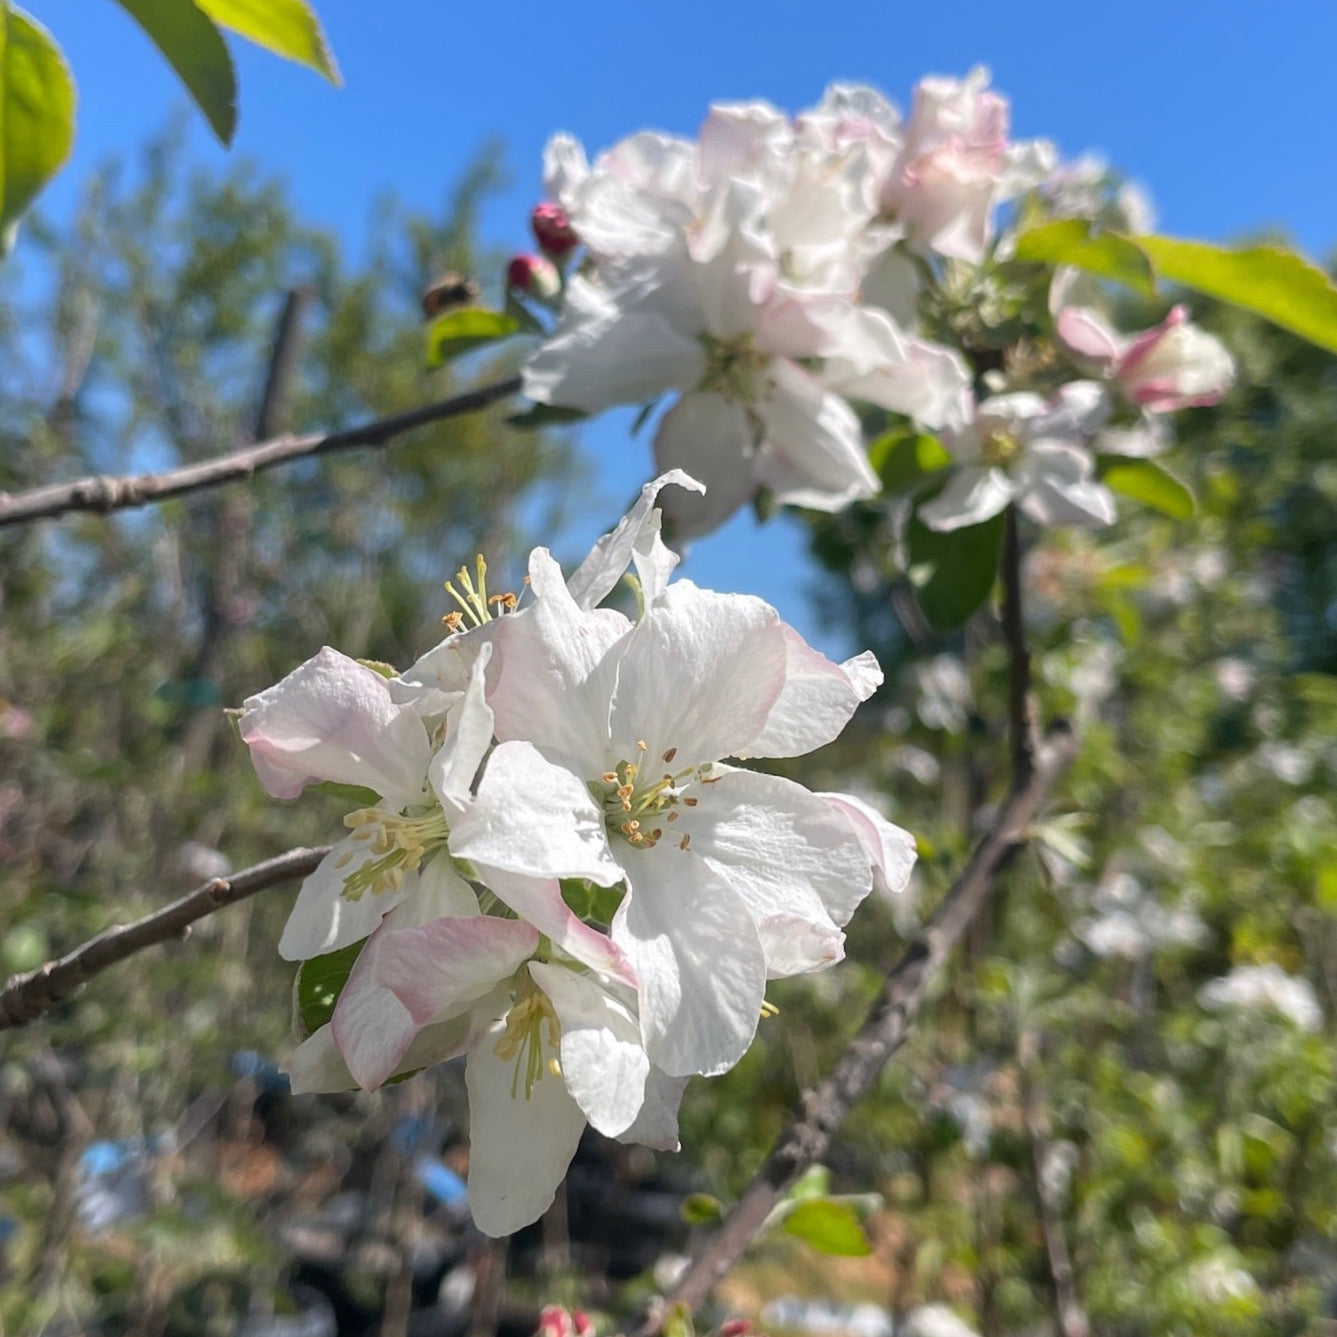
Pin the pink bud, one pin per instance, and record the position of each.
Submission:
(584, 1326)
(553, 231)
(736, 1327)
(555, 1321)
(535, 276)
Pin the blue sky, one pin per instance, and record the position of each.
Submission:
(1223, 110)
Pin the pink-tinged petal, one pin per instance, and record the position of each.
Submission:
(436, 679)
(409, 978)
(890, 849)
(557, 672)
(603, 1060)
(700, 964)
(317, 1066)
(323, 919)
(539, 902)
(812, 452)
(1056, 486)
(536, 819)
(787, 854)
(519, 1144)
(469, 725)
(657, 1123)
(699, 674)
(742, 139)
(817, 699)
(610, 557)
(333, 719)
(972, 496)
(1086, 333)
(1176, 365)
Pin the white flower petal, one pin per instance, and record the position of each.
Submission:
(788, 855)
(711, 438)
(817, 699)
(700, 964)
(603, 1060)
(333, 719)
(890, 849)
(610, 557)
(519, 1145)
(972, 495)
(469, 725)
(699, 673)
(657, 1123)
(534, 818)
(323, 919)
(1057, 487)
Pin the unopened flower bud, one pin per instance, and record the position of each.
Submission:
(735, 1327)
(584, 1325)
(553, 231)
(555, 1321)
(535, 276)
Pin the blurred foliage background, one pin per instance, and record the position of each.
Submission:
(1083, 1087)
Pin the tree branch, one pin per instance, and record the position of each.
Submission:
(1020, 711)
(106, 494)
(27, 996)
(1037, 766)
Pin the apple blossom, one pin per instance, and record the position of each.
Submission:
(553, 231)
(1173, 365)
(534, 275)
(1021, 448)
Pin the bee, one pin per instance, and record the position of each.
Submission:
(448, 291)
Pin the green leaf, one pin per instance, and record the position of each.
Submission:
(538, 416)
(830, 1227)
(902, 457)
(1275, 283)
(319, 983)
(195, 49)
(959, 568)
(354, 794)
(461, 331)
(288, 28)
(1105, 254)
(1147, 482)
(700, 1209)
(36, 114)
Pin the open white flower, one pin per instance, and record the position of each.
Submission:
(609, 767)
(1020, 448)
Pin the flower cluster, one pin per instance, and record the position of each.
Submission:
(775, 272)
(559, 871)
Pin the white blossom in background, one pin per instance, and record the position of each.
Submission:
(1086, 187)
(1019, 448)
(936, 1321)
(1267, 987)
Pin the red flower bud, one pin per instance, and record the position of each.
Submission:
(535, 276)
(553, 231)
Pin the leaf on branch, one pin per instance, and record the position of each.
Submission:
(958, 568)
(318, 985)
(829, 1227)
(1105, 254)
(195, 49)
(1147, 482)
(36, 114)
(538, 416)
(701, 1209)
(903, 457)
(455, 333)
(1271, 281)
(288, 28)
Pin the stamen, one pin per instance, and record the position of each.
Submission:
(670, 754)
(769, 1009)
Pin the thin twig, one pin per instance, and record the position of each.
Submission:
(1020, 711)
(1037, 765)
(886, 1029)
(1072, 1319)
(113, 494)
(27, 996)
